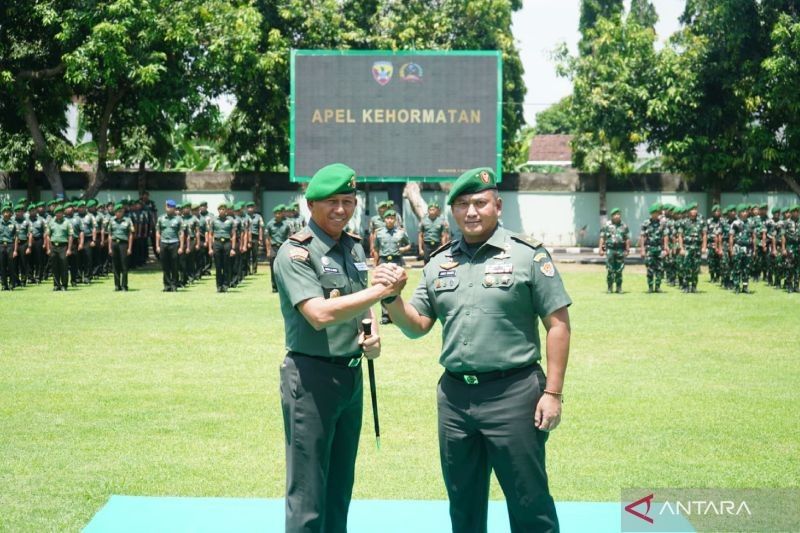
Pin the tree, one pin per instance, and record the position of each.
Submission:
(611, 89)
(701, 106)
(557, 119)
(591, 12)
(644, 13)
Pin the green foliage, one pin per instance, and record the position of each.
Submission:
(559, 118)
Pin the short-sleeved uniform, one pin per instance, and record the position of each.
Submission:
(432, 231)
(276, 233)
(321, 381)
(615, 236)
(692, 231)
(59, 234)
(8, 241)
(654, 232)
(489, 301)
(170, 228)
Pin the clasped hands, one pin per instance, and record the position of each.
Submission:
(392, 276)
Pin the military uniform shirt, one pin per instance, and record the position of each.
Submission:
(23, 228)
(490, 299)
(432, 230)
(278, 232)
(87, 225)
(8, 231)
(654, 231)
(77, 224)
(38, 225)
(692, 231)
(389, 241)
(313, 265)
(742, 233)
(222, 228)
(256, 223)
(170, 228)
(615, 235)
(120, 229)
(60, 232)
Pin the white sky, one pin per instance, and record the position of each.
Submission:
(542, 24)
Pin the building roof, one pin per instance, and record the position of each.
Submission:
(551, 149)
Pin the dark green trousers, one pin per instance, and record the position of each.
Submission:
(322, 404)
(59, 265)
(169, 264)
(222, 263)
(254, 253)
(119, 259)
(489, 426)
(6, 265)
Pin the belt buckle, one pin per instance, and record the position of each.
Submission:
(389, 257)
(470, 379)
(354, 362)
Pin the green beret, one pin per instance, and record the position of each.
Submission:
(433, 204)
(329, 180)
(472, 181)
(795, 207)
(293, 206)
(669, 207)
(776, 209)
(614, 211)
(195, 206)
(19, 207)
(68, 205)
(250, 204)
(223, 205)
(390, 213)
(691, 206)
(80, 203)
(59, 208)
(91, 203)
(383, 204)
(279, 207)
(729, 208)
(118, 206)
(203, 204)
(6, 207)
(742, 207)
(654, 208)
(186, 205)
(715, 207)
(762, 205)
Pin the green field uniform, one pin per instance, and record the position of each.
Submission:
(296, 223)
(615, 236)
(120, 232)
(222, 230)
(86, 256)
(791, 233)
(73, 260)
(670, 271)
(742, 254)
(759, 259)
(432, 231)
(389, 243)
(170, 228)
(256, 226)
(186, 271)
(654, 231)
(714, 258)
(38, 258)
(321, 380)
(59, 234)
(277, 233)
(21, 264)
(487, 397)
(692, 231)
(8, 243)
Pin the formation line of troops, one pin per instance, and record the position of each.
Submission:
(742, 243)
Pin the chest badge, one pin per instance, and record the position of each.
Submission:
(325, 260)
(335, 293)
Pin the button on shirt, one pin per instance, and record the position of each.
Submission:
(489, 302)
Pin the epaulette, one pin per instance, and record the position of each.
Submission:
(527, 241)
(355, 236)
(302, 237)
(443, 247)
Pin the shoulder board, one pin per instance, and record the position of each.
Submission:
(442, 248)
(355, 236)
(527, 241)
(302, 237)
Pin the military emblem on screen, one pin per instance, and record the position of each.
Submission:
(411, 72)
(382, 72)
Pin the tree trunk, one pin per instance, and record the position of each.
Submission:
(99, 177)
(49, 166)
(413, 192)
(141, 181)
(791, 182)
(602, 186)
(716, 195)
(395, 192)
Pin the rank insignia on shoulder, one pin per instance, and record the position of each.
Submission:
(548, 269)
(298, 254)
(449, 265)
(538, 257)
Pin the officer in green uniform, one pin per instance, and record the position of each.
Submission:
(59, 235)
(653, 247)
(296, 220)
(495, 407)
(321, 273)
(191, 243)
(391, 243)
(278, 230)
(169, 245)
(22, 264)
(120, 246)
(76, 244)
(790, 249)
(256, 237)
(713, 258)
(8, 248)
(375, 223)
(772, 245)
(89, 230)
(615, 245)
(741, 245)
(433, 232)
(692, 244)
(221, 242)
(38, 226)
(205, 222)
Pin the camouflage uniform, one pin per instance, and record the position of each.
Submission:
(742, 233)
(653, 232)
(790, 235)
(714, 258)
(691, 233)
(615, 237)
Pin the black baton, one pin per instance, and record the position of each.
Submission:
(367, 324)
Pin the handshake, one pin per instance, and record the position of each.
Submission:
(390, 275)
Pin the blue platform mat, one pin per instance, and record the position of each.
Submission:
(154, 514)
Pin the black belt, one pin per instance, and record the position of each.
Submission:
(38, 238)
(221, 239)
(475, 378)
(389, 257)
(119, 240)
(58, 243)
(348, 361)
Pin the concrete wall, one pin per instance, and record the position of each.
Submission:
(557, 218)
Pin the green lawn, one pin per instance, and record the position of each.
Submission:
(146, 393)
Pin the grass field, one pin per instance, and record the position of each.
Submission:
(145, 393)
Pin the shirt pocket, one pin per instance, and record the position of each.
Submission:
(331, 282)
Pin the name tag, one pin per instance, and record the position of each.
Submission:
(447, 273)
(330, 270)
(362, 267)
(500, 268)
